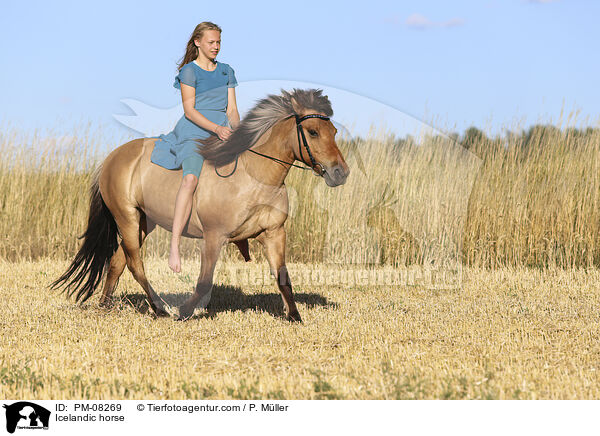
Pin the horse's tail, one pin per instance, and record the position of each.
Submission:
(99, 244)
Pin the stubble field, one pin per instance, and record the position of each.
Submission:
(505, 334)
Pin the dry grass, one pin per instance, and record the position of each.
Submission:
(420, 201)
(509, 333)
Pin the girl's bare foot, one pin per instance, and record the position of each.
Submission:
(174, 259)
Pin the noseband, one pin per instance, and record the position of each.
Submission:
(317, 168)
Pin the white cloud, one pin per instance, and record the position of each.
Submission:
(418, 21)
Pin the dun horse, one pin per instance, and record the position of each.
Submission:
(241, 194)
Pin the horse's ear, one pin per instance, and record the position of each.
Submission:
(297, 108)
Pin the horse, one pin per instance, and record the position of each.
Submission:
(240, 194)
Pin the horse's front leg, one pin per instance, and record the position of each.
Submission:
(210, 255)
(274, 243)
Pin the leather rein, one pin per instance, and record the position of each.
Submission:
(316, 167)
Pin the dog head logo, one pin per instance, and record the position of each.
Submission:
(26, 415)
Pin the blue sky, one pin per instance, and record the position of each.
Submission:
(452, 64)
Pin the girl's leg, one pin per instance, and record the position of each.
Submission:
(183, 206)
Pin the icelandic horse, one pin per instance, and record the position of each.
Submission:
(240, 194)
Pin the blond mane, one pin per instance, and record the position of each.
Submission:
(266, 113)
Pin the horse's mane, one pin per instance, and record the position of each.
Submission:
(266, 113)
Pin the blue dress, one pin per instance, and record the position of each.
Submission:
(211, 101)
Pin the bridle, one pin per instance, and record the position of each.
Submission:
(316, 167)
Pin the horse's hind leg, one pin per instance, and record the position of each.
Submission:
(129, 221)
(118, 262)
(117, 265)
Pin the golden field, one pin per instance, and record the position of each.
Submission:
(517, 216)
(508, 333)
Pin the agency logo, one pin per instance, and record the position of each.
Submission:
(26, 415)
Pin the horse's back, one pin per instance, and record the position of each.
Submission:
(129, 179)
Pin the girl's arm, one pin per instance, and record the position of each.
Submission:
(188, 95)
(232, 110)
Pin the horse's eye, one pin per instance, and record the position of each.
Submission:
(312, 132)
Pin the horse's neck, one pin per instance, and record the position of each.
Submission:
(265, 170)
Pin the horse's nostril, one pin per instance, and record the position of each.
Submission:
(337, 172)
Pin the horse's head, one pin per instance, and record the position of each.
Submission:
(314, 137)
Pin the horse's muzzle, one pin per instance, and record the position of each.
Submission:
(336, 175)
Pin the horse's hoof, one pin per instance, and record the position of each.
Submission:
(294, 317)
(106, 304)
(161, 310)
(161, 313)
(184, 313)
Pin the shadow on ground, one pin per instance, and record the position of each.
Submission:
(229, 298)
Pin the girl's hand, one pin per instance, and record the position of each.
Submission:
(223, 132)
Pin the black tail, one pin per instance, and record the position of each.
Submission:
(99, 244)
